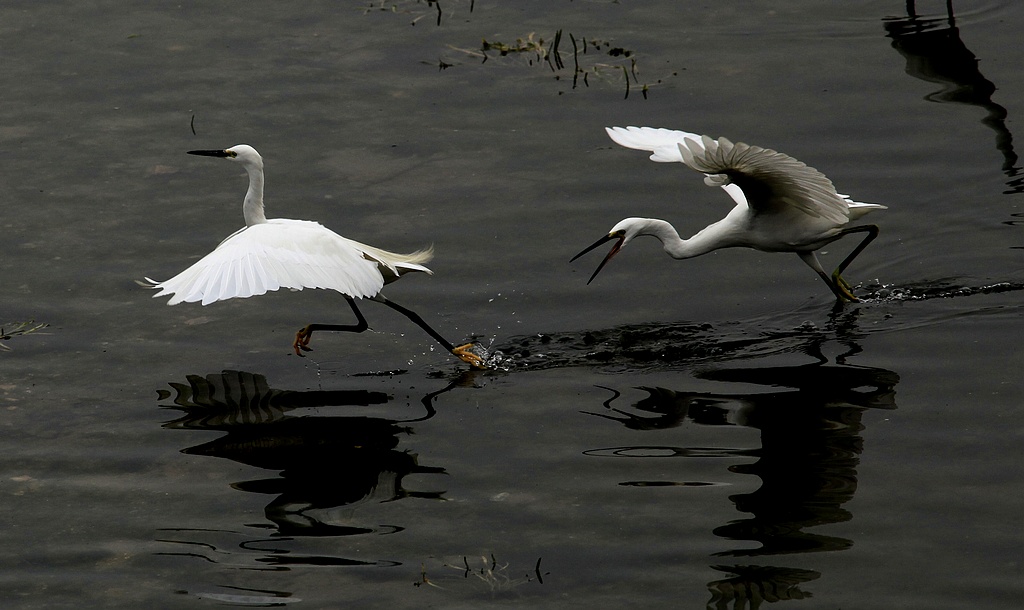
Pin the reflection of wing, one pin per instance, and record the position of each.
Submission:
(748, 586)
(865, 387)
(810, 445)
(810, 448)
(323, 461)
(230, 398)
(935, 54)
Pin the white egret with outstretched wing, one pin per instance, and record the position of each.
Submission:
(781, 204)
(272, 253)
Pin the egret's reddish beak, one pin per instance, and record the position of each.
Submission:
(615, 250)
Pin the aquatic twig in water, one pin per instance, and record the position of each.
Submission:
(537, 50)
(491, 573)
(424, 580)
(396, 6)
(19, 328)
(576, 59)
(554, 52)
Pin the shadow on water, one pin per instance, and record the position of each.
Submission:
(936, 54)
(659, 345)
(808, 416)
(810, 425)
(328, 465)
(637, 347)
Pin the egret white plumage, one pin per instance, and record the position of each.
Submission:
(782, 205)
(268, 254)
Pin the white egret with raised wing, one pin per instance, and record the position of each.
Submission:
(269, 254)
(781, 204)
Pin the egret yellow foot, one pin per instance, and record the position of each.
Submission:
(844, 287)
(302, 338)
(470, 354)
(840, 280)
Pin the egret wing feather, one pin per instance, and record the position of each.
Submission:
(858, 209)
(396, 264)
(280, 253)
(663, 143)
(770, 180)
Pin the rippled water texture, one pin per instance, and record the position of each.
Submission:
(713, 432)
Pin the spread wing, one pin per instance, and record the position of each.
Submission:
(770, 180)
(664, 146)
(279, 253)
(663, 143)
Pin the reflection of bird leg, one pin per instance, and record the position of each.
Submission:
(872, 231)
(463, 352)
(463, 380)
(616, 394)
(306, 333)
(912, 11)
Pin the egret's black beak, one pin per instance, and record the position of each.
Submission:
(615, 250)
(212, 153)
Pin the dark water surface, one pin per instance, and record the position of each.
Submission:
(704, 433)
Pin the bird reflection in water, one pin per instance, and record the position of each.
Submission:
(810, 446)
(935, 53)
(326, 463)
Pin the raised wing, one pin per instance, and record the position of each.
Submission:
(663, 143)
(770, 180)
(279, 253)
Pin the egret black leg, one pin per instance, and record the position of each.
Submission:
(412, 315)
(841, 289)
(872, 233)
(464, 352)
(306, 333)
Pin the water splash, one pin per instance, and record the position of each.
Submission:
(493, 360)
(934, 290)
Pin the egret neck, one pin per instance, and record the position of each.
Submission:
(252, 207)
(710, 238)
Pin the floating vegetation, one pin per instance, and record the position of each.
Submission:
(419, 10)
(592, 58)
(7, 331)
(490, 572)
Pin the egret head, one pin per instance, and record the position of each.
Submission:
(623, 233)
(242, 153)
